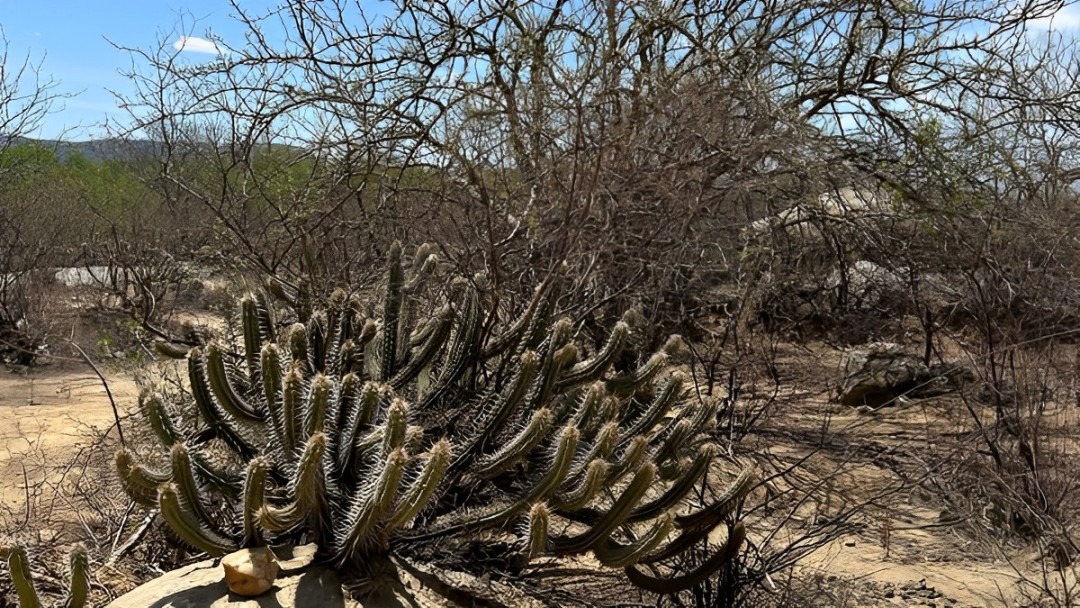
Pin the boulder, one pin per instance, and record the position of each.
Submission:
(301, 582)
(880, 374)
(250, 572)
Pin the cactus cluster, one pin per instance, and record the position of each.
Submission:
(78, 584)
(367, 436)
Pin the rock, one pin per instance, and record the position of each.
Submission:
(301, 582)
(250, 572)
(879, 374)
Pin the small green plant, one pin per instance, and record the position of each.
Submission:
(370, 438)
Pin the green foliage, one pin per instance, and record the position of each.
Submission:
(377, 438)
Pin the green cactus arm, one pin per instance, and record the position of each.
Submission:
(253, 334)
(593, 368)
(139, 483)
(539, 527)
(497, 408)
(612, 518)
(425, 354)
(270, 370)
(254, 495)
(391, 310)
(170, 350)
(627, 383)
(79, 585)
(19, 567)
(463, 348)
(307, 488)
(721, 505)
(184, 479)
(318, 342)
(395, 425)
(513, 334)
(593, 480)
(360, 413)
(565, 447)
(674, 440)
(370, 505)
(316, 406)
(537, 326)
(664, 400)
(189, 528)
(222, 425)
(227, 395)
(422, 488)
(300, 351)
(678, 490)
(630, 459)
(292, 410)
(725, 555)
(615, 555)
(588, 408)
(160, 422)
(530, 435)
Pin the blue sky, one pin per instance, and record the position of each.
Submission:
(72, 38)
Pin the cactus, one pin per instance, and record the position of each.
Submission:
(363, 435)
(78, 586)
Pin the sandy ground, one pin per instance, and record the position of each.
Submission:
(47, 417)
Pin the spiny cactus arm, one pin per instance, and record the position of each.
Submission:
(360, 413)
(463, 349)
(189, 528)
(216, 419)
(184, 479)
(498, 515)
(396, 425)
(616, 555)
(391, 310)
(369, 506)
(627, 383)
(593, 480)
(160, 422)
(722, 557)
(220, 478)
(421, 271)
(538, 526)
(170, 350)
(542, 302)
(258, 329)
(422, 488)
(227, 395)
(79, 586)
(612, 518)
(423, 357)
(270, 371)
(721, 505)
(588, 408)
(630, 459)
(530, 435)
(593, 368)
(139, 483)
(254, 494)
(675, 440)
(678, 490)
(307, 488)
(292, 410)
(498, 408)
(300, 350)
(19, 566)
(668, 395)
(318, 342)
(316, 406)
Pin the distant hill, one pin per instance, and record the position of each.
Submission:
(97, 150)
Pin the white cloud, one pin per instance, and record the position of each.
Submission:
(1065, 18)
(194, 44)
